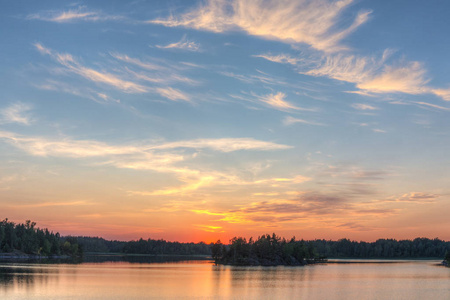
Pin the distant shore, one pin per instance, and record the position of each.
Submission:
(18, 255)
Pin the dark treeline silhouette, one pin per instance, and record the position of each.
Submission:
(163, 247)
(344, 248)
(100, 245)
(27, 238)
(446, 261)
(273, 250)
(382, 248)
(267, 250)
(141, 246)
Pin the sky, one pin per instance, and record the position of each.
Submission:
(205, 120)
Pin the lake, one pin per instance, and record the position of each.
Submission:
(201, 279)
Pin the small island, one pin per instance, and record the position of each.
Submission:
(267, 250)
(446, 261)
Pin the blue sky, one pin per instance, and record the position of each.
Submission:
(198, 120)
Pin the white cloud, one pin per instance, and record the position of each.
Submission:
(259, 77)
(372, 76)
(172, 94)
(65, 147)
(348, 68)
(432, 106)
(408, 78)
(362, 106)
(72, 65)
(138, 62)
(53, 85)
(73, 15)
(280, 58)
(290, 21)
(277, 101)
(443, 93)
(183, 44)
(161, 157)
(16, 113)
(38, 146)
(224, 144)
(164, 74)
(379, 130)
(314, 23)
(291, 120)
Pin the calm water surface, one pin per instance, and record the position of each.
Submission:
(203, 280)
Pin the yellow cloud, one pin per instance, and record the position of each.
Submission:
(203, 181)
(210, 228)
(409, 79)
(277, 101)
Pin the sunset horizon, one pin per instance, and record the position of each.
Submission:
(198, 121)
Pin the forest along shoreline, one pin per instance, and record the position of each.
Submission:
(25, 241)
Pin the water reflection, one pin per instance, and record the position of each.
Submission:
(175, 278)
(26, 279)
(143, 258)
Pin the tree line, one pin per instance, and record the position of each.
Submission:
(266, 249)
(28, 239)
(383, 248)
(343, 248)
(141, 246)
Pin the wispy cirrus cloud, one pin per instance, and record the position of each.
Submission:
(253, 78)
(190, 187)
(278, 101)
(173, 94)
(132, 83)
(310, 207)
(281, 58)
(225, 145)
(443, 93)
(273, 101)
(55, 85)
(16, 113)
(362, 106)
(418, 197)
(430, 105)
(164, 74)
(371, 75)
(169, 158)
(39, 146)
(207, 179)
(345, 67)
(135, 61)
(409, 78)
(72, 65)
(73, 15)
(71, 148)
(379, 130)
(183, 44)
(311, 22)
(48, 204)
(291, 120)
